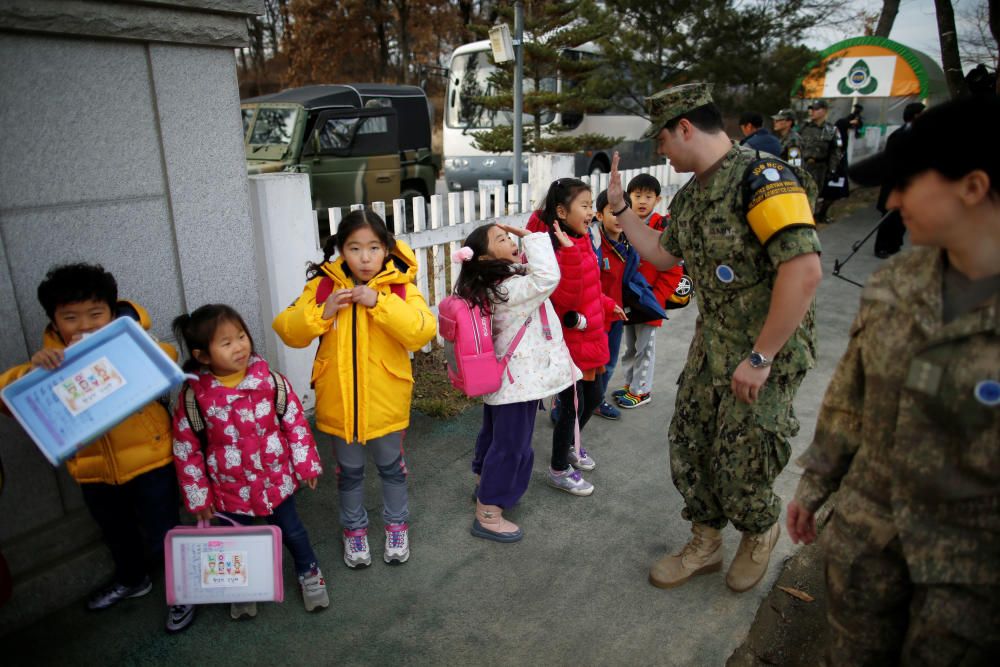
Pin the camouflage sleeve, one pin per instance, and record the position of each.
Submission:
(790, 243)
(838, 428)
(668, 241)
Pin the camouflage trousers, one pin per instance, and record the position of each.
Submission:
(878, 616)
(725, 455)
(818, 171)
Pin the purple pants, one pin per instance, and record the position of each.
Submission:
(503, 455)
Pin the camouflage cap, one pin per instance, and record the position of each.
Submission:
(671, 102)
(784, 114)
(819, 104)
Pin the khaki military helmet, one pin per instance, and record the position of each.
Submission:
(671, 102)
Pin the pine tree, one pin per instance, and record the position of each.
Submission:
(551, 29)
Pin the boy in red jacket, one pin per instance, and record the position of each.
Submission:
(640, 339)
(614, 250)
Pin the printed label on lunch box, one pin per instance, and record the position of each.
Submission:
(88, 386)
(223, 569)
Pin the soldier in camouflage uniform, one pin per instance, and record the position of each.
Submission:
(791, 141)
(821, 150)
(744, 227)
(909, 429)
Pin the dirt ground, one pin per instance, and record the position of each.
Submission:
(790, 631)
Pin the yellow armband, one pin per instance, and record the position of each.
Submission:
(774, 199)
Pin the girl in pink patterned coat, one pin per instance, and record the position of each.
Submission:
(247, 460)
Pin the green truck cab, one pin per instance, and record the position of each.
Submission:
(359, 143)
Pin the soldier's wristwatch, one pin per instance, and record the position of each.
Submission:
(758, 360)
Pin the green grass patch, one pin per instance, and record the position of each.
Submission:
(433, 394)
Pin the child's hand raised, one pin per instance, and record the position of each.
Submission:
(561, 236)
(336, 302)
(519, 232)
(616, 194)
(47, 358)
(364, 295)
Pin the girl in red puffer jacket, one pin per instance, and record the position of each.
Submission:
(586, 315)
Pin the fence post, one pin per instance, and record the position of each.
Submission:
(419, 225)
(437, 218)
(454, 216)
(399, 216)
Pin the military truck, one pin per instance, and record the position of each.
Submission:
(359, 143)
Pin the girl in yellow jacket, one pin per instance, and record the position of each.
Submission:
(369, 316)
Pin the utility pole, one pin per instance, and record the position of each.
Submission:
(518, 94)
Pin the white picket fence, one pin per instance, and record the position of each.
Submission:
(434, 240)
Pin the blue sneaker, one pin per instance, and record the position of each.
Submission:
(608, 411)
(620, 392)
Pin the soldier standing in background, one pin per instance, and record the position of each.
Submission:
(909, 430)
(821, 149)
(791, 141)
(756, 265)
(889, 238)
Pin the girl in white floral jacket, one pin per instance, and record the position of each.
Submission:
(493, 278)
(246, 460)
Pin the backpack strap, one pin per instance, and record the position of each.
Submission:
(193, 412)
(519, 335)
(280, 394)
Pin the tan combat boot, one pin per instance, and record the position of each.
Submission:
(750, 563)
(702, 555)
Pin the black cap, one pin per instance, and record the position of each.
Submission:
(953, 138)
(819, 104)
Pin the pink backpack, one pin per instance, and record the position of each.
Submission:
(473, 367)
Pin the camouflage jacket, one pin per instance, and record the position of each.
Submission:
(820, 144)
(791, 148)
(909, 428)
(733, 273)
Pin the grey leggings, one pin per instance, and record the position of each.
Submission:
(387, 453)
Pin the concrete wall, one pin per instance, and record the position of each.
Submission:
(121, 144)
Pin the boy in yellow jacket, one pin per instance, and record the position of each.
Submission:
(126, 475)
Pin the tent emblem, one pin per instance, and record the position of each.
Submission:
(858, 80)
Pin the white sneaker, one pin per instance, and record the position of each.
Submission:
(356, 552)
(570, 481)
(397, 543)
(313, 587)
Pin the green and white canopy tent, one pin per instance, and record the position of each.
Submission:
(878, 73)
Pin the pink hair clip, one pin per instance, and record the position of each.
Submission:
(463, 254)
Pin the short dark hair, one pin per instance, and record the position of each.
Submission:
(198, 329)
(707, 118)
(643, 182)
(753, 118)
(912, 110)
(73, 283)
(602, 202)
